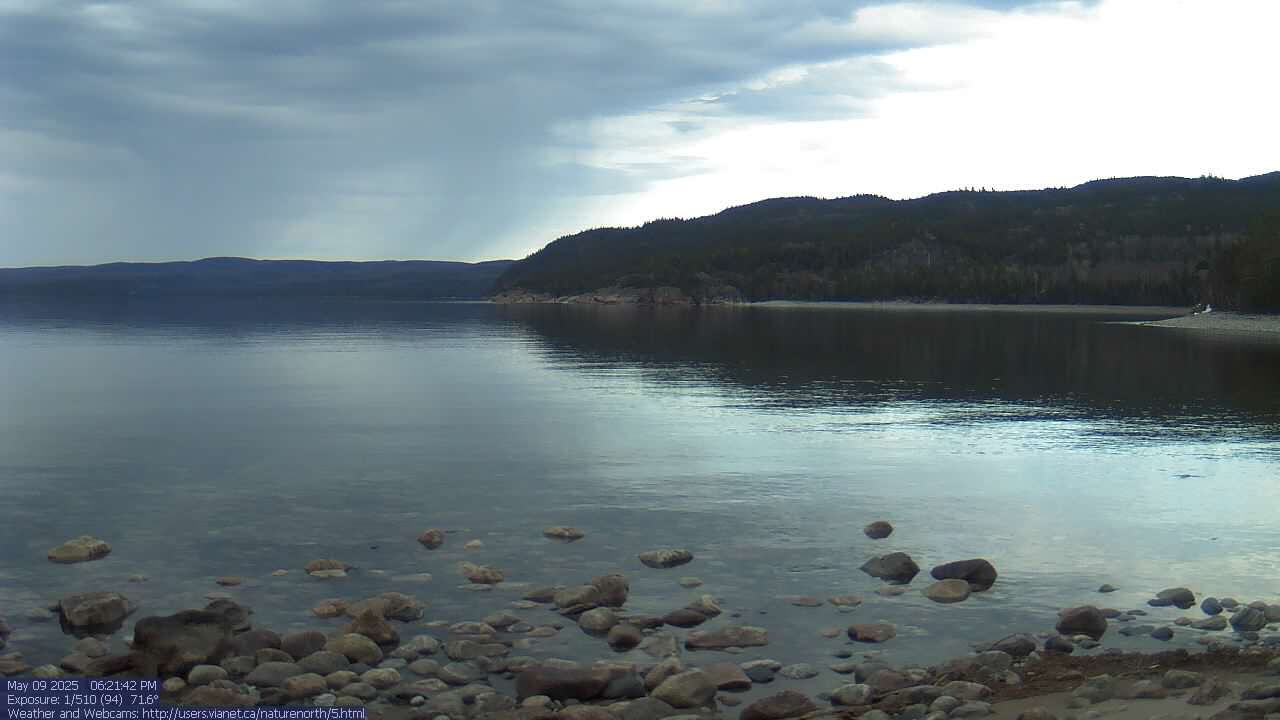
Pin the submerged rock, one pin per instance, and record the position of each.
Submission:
(175, 644)
(948, 591)
(85, 548)
(895, 567)
(666, 558)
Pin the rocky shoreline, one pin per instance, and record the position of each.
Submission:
(383, 653)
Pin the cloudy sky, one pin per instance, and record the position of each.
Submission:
(334, 129)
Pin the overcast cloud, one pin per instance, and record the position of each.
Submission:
(331, 129)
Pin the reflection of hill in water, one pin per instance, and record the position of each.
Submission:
(824, 357)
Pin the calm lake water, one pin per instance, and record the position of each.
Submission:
(1069, 449)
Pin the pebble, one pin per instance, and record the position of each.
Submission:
(690, 582)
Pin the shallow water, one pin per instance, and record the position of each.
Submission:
(201, 441)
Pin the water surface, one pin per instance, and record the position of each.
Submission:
(205, 440)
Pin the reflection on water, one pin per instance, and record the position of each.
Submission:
(204, 441)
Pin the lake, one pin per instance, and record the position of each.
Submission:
(1071, 449)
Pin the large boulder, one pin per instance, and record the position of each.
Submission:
(728, 636)
(979, 573)
(1083, 620)
(174, 644)
(82, 549)
(786, 704)
(94, 612)
(666, 558)
(895, 567)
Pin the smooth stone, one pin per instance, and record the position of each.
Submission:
(206, 675)
(684, 618)
(1162, 633)
(340, 679)
(1018, 646)
(173, 685)
(305, 685)
(331, 608)
(1059, 644)
(356, 648)
(1106, 588)
(381, 678)
(1211, 606)
(473, 545)
(690, 582)
(90, 647)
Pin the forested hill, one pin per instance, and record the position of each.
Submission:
(245, 278)
(1147, 240)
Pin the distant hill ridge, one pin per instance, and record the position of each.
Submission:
(1140, 241)
(247, 277)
